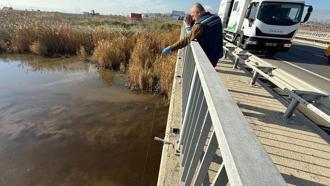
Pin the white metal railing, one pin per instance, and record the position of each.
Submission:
(208, 109)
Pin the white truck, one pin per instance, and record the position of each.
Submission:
(262, 25)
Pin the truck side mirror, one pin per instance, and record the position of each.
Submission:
(309, 13)
(248, 11)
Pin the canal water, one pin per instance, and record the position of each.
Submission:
(65, 122)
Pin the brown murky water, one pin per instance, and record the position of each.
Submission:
(63, 122)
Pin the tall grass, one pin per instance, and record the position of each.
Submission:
(115, 51)
(3, 46)
(147, 67)
(38, 48)
(164, 71)
(83, 53)
(118, 46)
(50, 39)
(141, 63)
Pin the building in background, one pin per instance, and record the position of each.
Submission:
(92, 13)
(178, 15)
(136, 17)
(156, 15)
(7, 8)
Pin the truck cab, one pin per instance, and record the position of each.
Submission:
(262, 25)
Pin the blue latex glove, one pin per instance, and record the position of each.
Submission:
(188, 28)
(166, 51)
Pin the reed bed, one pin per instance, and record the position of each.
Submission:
(3, 46)
(115, 43)
(49, 40)
(147, 67)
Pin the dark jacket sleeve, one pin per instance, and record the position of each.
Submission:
(194, 34)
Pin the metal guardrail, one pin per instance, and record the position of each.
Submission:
(317, 37)
(316, 101)
(209, 109)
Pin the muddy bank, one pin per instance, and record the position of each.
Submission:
(65, 122)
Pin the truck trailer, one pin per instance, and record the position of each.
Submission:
(263, 25)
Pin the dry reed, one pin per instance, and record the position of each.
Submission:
(164, 70)
(83, 54)
(111, 53)
(54, 39)
(38, 49)
(143, 69)
(3, 46)
(136, 52)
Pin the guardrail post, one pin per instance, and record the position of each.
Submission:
(291, 108)
(254, 77)
(236, 62)
(225, 54)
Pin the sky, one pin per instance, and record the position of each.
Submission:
(124, 7)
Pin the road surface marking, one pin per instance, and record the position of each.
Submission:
(308, 71)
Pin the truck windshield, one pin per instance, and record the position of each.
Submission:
(274, 13)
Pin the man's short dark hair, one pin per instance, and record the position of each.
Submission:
(199, 7)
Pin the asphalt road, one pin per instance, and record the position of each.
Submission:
(307, 63)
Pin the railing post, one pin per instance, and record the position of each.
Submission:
(221, 179)
(207, 159)
(191, 144)
(188, 72)
(192, 120)
(199, 147)
(185, 118)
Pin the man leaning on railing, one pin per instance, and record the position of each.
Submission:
(207, 30)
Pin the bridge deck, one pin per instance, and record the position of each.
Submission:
(300, 150)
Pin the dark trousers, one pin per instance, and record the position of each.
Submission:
(214, 62)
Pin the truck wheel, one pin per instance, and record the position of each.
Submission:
(238, 41)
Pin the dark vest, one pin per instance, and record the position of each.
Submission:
(211, 38)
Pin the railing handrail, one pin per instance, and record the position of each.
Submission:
(244, 158)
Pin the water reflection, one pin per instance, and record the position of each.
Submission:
(65, 122)
(42, 64)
